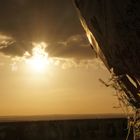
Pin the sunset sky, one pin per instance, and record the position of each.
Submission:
(46, 63)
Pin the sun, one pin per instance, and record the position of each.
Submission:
(39, 60)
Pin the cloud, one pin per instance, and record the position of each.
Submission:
(38, 20)
(23, 22)
(15, 48)
(68, 63)
(76, 47)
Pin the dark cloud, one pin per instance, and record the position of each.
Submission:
(74, 47)
(52, 21)
(17, 48)
(38, 19)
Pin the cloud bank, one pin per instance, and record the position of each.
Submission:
(23, 22)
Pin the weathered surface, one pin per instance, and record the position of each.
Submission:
(113, 29)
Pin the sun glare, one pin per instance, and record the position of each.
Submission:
(39, 59)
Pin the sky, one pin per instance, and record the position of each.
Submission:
(46, 63)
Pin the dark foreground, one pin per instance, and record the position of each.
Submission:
(82, 129)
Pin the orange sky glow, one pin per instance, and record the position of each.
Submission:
(46, 63)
